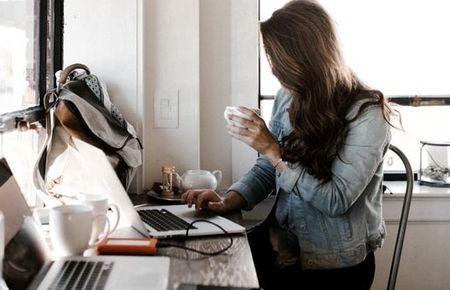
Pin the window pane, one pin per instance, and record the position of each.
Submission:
(399, 47)
(19, 60)
(17, 34)
(268, 83)
(419, 124)
(266, 109)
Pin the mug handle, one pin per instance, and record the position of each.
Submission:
(105, 233)
(218, 175)
(117, 211)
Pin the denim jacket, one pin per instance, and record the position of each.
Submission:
(336, 224)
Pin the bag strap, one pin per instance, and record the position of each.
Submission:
(68, 70)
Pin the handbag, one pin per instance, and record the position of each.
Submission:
(80, 107)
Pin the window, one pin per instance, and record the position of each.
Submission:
(30, 52)
(397, 47)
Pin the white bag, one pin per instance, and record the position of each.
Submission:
(58, 174)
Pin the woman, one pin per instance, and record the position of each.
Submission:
(323, 155)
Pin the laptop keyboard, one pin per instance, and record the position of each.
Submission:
(163, 220)
(82, 275)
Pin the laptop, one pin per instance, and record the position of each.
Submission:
(150, 221)
(28, 264)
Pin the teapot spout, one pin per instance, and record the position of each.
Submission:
(178, 180)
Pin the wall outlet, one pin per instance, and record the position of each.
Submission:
(166, 109)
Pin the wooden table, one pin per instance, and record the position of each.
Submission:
(233, 269)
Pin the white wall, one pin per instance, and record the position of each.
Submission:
(203, 50)
(171, 48)
(229, 63)
(105, 35)
(425, 258)
(215, 86)
(244, 73)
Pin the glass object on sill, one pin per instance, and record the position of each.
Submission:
(434, 164)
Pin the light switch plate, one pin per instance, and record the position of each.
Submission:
(166, 109)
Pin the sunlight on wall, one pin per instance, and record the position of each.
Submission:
(20, 148)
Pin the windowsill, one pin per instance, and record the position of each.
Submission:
(420, 191)
(429, 204)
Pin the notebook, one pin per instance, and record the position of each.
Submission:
(28, 263)
(143, 219)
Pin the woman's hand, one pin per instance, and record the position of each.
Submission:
(254, 133)
(207, 199)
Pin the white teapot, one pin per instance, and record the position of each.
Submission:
(199, 179)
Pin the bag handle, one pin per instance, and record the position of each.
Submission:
(68, 70)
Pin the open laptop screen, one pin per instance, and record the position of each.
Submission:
(28, 264)
(26, 251)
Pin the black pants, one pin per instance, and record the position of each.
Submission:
(358, 277)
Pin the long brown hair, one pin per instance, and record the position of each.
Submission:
(304, 53)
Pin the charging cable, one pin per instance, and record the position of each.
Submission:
(164, 244)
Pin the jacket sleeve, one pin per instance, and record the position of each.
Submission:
(256, 184)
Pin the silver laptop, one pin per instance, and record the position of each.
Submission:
(27, 263)
(173, 220)
(150, 220)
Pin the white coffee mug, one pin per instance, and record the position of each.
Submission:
(2, 244)
(71, 228)
(232, 110)
(2, 239)
(101, 206)
(3, 285)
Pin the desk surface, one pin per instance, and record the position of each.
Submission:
(233, 269)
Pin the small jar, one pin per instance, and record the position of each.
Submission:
(434, 164)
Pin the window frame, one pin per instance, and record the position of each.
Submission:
(49, 58)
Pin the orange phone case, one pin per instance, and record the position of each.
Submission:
(127, 246)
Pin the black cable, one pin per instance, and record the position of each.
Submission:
(386, 189)
(163, 244)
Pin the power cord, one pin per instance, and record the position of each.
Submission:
(164, 244)
(387, 190)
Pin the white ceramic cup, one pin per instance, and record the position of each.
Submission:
(2, 241)
(232, 110)
(3, 285)
(71, 228)
(101, 206)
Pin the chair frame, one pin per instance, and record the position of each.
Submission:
(403, 218)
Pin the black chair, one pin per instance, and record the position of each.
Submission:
(403, 218)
